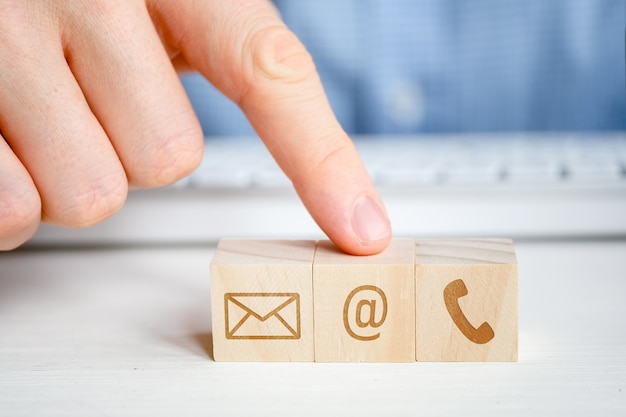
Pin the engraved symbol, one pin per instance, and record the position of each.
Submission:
(451, 294)
(262, 316)
(365, 308)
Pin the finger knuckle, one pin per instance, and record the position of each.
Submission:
(277, 54)
(20, 211)
(328, 159)
(167, 158)
(91, 202)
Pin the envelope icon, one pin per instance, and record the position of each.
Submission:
(262, 316)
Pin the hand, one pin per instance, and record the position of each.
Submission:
(90, 103)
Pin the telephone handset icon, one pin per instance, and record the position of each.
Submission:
(451, 294)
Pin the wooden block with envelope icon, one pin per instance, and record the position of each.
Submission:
(466, 300)
(262, 300)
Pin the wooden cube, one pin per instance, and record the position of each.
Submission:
(466, 300)
(364, 305)
(262, 300)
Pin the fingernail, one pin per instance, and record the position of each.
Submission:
(369, 222)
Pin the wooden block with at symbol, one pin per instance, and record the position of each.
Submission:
(262, 300)
(364, 305)
(466, 300)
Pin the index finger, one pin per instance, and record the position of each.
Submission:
(247, 52)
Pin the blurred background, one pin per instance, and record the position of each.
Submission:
(481, 118)
(415, 66)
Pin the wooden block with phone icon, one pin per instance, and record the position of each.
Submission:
(364, 306)
(466, 300)
(262, 300)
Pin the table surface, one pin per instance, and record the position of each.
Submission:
(127, 331)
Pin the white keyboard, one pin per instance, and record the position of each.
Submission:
(567, 160)
(519, 185)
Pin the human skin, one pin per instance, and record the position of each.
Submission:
(91, 104)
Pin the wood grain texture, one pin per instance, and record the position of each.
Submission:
(364, 306)
(262, 300)
(127, 332)
(466, 300)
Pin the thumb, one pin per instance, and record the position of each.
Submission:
(246, 51)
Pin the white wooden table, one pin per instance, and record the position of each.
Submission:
(105, 332)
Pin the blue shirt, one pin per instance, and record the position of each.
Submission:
(411, 66)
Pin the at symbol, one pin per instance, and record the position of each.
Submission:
(371, 308)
